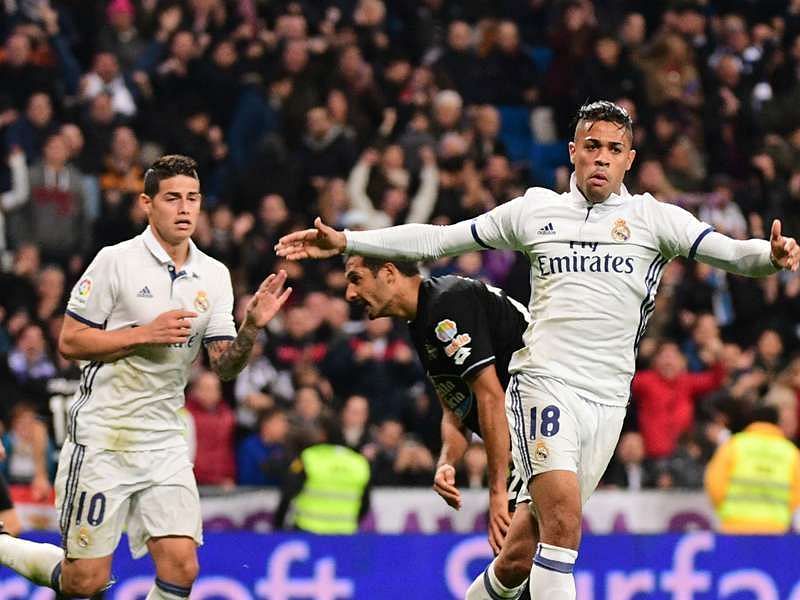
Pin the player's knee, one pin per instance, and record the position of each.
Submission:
(82, 584)
(561, 527)
(183, 571)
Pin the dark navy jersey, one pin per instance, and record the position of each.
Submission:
(463, 326)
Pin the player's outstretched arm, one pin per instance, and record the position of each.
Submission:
(321, 241)
(402, 242)
(79, 341)
(228, 357)
(785, 253)
(753, 258)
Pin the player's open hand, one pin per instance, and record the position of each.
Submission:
(320, 242)
(268, 300)
(499, 521)
(171, 327)
(785, 251)
(444, 484)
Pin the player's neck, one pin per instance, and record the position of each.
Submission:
(178, 252)
(408, 300)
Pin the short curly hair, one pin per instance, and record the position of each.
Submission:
(165, 167)
(603, 110)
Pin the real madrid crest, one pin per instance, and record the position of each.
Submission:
(541, 453)
(201, 301)
(620, 232)
(84, 539)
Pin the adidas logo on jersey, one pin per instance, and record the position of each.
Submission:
(547, 230)
(144, 293)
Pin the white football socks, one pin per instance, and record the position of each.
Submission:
(487, 587)
(551, 575)
(163, 590)
(32, 560)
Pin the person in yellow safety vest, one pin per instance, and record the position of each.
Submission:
(327, 486)
(753, 479)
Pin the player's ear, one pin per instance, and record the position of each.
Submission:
(631, 157)
(572, 152)
(146, 202)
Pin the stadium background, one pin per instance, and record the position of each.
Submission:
(372, 113)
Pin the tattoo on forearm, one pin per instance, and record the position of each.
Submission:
(228, 357)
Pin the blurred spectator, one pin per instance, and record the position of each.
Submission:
(378, 364)
(30, 132)
(57, 196)
(396, 460)
(511, 76)
(753, 480)
(120, 36)
(328, 485)
(629, 469)
(29, 453)
(665, 396)
(263, 457)
(214, 424)
(393, 207)
(31, 366)
(355, 422)
(20, 77)
(474, 472)
(106, 77)
(257, 386)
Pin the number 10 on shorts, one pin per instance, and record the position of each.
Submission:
(549, 421)
(96, 509)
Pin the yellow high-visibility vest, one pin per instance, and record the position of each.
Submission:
(759, 490)
(336, 478)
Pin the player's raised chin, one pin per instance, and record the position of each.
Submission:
(602, 153)
(174, 209)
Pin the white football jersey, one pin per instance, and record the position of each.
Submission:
(595, 269)
(134, 403)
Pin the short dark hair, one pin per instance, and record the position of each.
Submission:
(165, 167)
(765, 413)
(405, 267)
(604, 110)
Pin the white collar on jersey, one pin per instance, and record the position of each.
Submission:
(612, 200)
(157, 250)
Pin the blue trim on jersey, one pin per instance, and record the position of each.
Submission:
(88, 381)
(474, 229)
(73, 477)
(217, 338)
(553, 565)
(84, 320)
(649, 302)
(699, 239)
(487, 584)
(171, 588)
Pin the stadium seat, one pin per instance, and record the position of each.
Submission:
(545, 158)
(515, 131)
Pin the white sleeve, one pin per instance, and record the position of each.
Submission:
(413, 241)
(495, 229)
(678, 232)
(743, 257)
(220, 324)
(500, 227)
(94, 296)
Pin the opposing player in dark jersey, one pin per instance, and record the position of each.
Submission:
(465, 333)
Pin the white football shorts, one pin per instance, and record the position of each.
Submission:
(553, 428)
(100, 493)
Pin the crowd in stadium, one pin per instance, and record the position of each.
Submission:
(372, 113)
